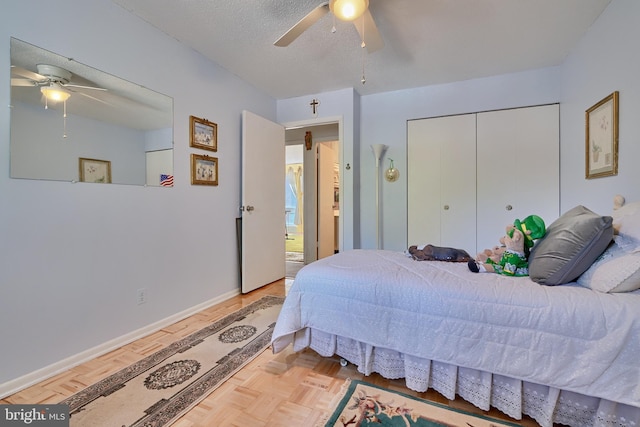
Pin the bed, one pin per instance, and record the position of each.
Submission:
(559, 346)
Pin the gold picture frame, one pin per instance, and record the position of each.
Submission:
(94, 170)
(204, 170)
(601, 142)
(203, 134)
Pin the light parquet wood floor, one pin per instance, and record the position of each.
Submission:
(286, 389)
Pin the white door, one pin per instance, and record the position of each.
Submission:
(158, 163)
(326, 217)
(263, 220)
(518, 168)
(441, 190)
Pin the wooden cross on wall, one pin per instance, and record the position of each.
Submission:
(314, 104)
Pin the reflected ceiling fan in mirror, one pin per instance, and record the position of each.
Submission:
(356, 11)
(54, 83)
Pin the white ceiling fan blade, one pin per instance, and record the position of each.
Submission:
(82, 86)
(302, 25)
(22, 82)
(18, 71)
(369, 33)
(94, 98)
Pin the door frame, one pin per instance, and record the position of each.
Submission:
(310, 209)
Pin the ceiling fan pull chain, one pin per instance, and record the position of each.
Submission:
(64, 119)
(363, 45)
(364, 79)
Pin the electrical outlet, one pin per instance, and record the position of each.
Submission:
(142, 296)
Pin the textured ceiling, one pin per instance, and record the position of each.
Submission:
(426, 41)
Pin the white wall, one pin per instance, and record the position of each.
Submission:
(381, 119)
(604, 61)
(73, 255)
(159, 139)
(384, 121)
(42, 152)
(344, 106)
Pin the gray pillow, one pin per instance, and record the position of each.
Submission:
(572, 243)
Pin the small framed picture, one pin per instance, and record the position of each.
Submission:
(94, 170)
(204, 134)
(204, 170)
(601, 142)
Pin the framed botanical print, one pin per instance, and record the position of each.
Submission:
(601, 142)
(94, 170)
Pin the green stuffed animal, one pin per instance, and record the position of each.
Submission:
(517, 242)
(494, 254)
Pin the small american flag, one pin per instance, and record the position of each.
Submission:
(166, 180)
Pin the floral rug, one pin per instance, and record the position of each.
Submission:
(158, 389)
(363, 404)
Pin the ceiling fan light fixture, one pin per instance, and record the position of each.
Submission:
(55, 93)
(54, 73)
(348, 10)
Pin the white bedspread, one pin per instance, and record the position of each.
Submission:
(567, 337)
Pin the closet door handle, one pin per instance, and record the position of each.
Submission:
(446, 207)
(508, 207)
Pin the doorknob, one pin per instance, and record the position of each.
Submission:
(250, 208)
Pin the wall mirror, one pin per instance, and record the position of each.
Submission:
(64, 112)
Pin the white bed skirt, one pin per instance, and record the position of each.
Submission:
(514, 397)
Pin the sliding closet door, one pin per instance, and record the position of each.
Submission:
(441, 176)
(518, 168)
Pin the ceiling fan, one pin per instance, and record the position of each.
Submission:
(356, 11)
(54, 82)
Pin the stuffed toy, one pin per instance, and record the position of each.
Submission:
(438, 253)
(533, 228)
(517, 241)
(494, 254)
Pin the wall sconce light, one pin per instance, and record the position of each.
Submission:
(348, 10)
(392, 173)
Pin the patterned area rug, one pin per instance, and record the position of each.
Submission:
(364, 404)
(160, 388)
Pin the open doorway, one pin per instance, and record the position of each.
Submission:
(327, 198)
(312, 194)
(294, 208)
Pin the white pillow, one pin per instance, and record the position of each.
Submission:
(616, 270)
(626, 223)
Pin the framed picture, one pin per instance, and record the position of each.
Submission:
(204, 134)
(94, 170)
(204, 170)
(601, 142)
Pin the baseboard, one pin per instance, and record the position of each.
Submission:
(13, 386)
